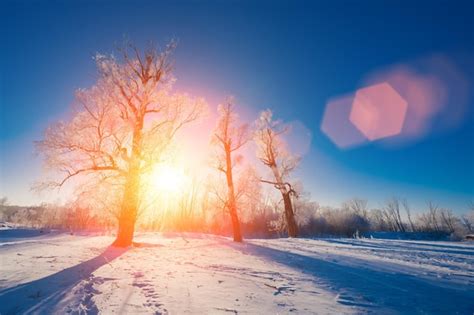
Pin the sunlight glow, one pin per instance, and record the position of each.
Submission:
(167, 179)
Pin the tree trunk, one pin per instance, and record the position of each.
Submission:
(128, 216)
(290, 216)
(129, 210)
(236, 225)
(231, 198)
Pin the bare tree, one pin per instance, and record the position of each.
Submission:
(3, 206)
(406, 206)
(433, 216)
(467, 220)
(388, 218)
(248, 193)
(358, 206)
(378, 220)
(392, 209)
(429, 221)
(448, 219)
(230, 138)
(120, 126)
(272, 152)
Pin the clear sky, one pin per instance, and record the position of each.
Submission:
(290, 56)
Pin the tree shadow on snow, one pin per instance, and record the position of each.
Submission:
(372, 290)
(42, 295)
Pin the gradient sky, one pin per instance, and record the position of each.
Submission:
(289, 56)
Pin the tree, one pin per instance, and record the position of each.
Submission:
(433, 215)
(358, 207)
(120, 126)
(272, 152)
(230, 138)
(406, 206)
(467, 220)
(448, 219)
(248, 194)
(378, 220)
(392, 209)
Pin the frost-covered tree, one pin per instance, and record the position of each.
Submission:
(229, 137)
(248, 193)
(392, 211)
(407, 208)
(358, 207)
(467, 220)
(273, 153)
(448, 220)
(120, 127)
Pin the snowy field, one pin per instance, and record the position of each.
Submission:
(204, 274)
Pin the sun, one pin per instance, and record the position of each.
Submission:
(168, 179)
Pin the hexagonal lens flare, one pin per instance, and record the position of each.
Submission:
(337, 126)
(404, 100)
(378, 111)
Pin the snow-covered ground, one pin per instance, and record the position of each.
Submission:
(49, 273)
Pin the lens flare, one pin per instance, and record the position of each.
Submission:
(337, 126)
(378, 111)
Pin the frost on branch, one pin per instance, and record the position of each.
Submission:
(120, 127)
(273, 153)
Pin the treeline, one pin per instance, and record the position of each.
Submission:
(51, 216)
(354, 219)
(263, 219)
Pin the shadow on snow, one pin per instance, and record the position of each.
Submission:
(40, 296)
(372, 290)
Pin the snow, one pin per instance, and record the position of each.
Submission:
(56, 273)
(413, 236)
(6, 225)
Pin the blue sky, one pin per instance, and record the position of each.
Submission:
(289, 56)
